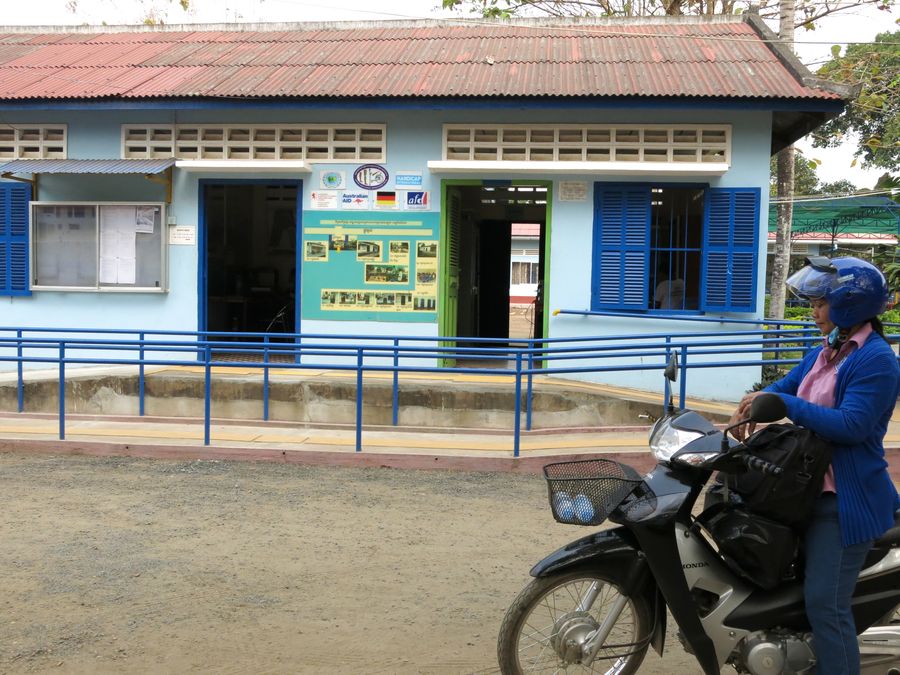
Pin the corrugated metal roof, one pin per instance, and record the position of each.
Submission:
(697, 58)
(96, 166)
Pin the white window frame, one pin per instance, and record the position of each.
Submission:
(320, 143)
(98, 288)
(586, 148)
(33, 141)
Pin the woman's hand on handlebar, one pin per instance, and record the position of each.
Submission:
(741, 413)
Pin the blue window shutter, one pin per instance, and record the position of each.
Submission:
(621, 244)
(14, 198)
(730, 249)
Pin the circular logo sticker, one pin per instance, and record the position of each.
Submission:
(370, 176)
(333, 180)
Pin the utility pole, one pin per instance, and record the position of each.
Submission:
(785, 188)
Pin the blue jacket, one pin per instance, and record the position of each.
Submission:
(864, 398)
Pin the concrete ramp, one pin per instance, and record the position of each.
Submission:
(328, 397)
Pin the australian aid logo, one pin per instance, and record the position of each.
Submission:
(416, 200)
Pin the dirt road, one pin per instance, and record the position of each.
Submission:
(138, 566)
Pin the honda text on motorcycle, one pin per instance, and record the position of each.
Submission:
(729, 577)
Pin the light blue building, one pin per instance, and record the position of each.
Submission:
(353, 179)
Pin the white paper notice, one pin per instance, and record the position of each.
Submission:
(145, 219)
(118, 244)
(127, 272)
(109, 270)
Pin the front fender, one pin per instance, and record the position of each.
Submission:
(617, 552)
(616, 546)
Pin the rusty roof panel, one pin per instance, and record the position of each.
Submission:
(645, 58)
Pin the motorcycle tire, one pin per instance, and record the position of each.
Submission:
(544, 626)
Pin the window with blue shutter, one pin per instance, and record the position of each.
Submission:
(675, 248)
(621, 241)
(730, 249)
(14, 198)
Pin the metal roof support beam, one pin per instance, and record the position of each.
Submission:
(34, 182)
(165, 180)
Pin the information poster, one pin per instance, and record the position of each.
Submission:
(375, 265)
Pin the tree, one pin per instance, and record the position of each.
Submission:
(806, 180)
(838, 188)
(875, 116)
(806, 14)
(151, 12)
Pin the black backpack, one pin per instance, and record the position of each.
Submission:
(790, 497)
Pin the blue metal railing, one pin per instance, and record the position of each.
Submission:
(390, 354)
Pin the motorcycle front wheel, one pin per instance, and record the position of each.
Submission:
(547, 625)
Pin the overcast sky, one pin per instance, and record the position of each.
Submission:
(813, 47)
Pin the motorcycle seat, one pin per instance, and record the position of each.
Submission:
(891, 537)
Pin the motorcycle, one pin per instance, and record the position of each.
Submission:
(599, 603)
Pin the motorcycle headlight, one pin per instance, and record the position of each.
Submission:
(666, 440)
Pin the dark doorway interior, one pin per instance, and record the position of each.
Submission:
(485, 236)
(251, 252)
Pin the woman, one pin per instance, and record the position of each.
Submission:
(844, 390)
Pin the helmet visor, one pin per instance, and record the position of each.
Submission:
(810, 283)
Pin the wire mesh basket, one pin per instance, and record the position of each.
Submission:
(586, 492)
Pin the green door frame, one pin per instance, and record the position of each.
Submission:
(444, 330)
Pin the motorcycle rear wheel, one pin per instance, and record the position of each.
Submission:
(542, 629)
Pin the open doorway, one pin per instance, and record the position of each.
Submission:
(251, 256)
(496, 235)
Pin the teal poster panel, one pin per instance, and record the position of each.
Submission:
(370, 266)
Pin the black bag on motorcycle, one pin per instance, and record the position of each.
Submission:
(789, 497)
(756, 548)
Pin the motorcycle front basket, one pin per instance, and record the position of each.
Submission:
(585, 492)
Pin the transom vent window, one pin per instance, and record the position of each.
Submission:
(33, 141)
(696, 144)
(669, 249)
(323, 143)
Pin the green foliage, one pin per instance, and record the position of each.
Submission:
(838, 188)
(873, 117)
(807, 12)
(805, 177)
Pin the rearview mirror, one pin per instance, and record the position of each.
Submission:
(671, 371)
(767, 408)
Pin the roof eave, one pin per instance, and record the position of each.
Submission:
(794, 66)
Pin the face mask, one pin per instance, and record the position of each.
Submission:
(836, 338)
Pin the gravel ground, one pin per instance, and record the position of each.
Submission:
(132, 566)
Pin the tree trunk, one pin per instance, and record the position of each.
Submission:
(785, 190)
(785, 209)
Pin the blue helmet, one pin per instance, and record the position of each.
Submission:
(855, 289)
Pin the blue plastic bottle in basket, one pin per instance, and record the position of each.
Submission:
(584, 508)
(564, 506)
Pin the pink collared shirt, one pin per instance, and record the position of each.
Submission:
(819, 383)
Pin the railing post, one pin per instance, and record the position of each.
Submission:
(682, 393)
(667, 386)
(141, 376)
(207, 392)
(20, 382)
(395, 410)
(528, 396)
(517, 429)
(62, 391)
(266, 378)
(359, 398)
